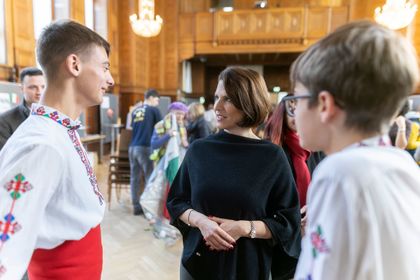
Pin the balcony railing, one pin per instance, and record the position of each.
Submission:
(268, 30)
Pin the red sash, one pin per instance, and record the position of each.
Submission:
(74, 259)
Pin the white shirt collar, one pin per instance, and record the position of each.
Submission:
(51, 113)
(375, 141)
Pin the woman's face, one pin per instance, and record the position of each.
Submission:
(180, 115)
(227, 115)
(290, 122)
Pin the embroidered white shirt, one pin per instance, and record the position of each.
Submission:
(363, 216)
(48, 191)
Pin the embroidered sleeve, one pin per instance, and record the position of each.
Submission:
(27, 183)
(325, 247)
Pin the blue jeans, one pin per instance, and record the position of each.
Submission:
(140, 165)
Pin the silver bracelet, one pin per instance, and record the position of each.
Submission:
(253, 231)
(188, 219)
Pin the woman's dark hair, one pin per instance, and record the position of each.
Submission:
(248, 92)
(276, 124)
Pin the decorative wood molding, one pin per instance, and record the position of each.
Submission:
(289, 29)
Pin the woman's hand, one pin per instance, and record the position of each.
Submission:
(216, 238)
(236, 229)
(400, 121)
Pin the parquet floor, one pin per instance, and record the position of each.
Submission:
(130, 250)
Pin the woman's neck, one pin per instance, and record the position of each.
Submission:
(242, 131)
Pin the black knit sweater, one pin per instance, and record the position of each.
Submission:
(237, 178)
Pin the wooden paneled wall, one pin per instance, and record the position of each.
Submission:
(20, 38)
(77, 10)
(23, 37)
(147, 62)
(249, 4)
(194, 6)
(113, 39)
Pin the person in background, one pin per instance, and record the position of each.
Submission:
(143, 120)
(128, 122)
(197, 126)
(32, 84)
(169, 142)
(364, 198)
(50, 204)
(163, 130)
(234, 197)
(280, 129)
(400, 129)
(404, 132)
(210, 117)
(417, 155)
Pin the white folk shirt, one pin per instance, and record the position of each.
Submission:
(48, 191)
(363, 216)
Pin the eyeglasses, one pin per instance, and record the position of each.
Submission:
(290, 103)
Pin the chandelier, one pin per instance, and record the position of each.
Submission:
(396, 14)
(146, 25)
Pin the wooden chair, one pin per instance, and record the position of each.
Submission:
(119, 167)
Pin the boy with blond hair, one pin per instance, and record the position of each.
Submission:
(364, 198)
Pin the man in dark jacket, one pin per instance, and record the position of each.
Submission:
(33, 83)
(143, 118)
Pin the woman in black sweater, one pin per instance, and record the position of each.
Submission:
(234, 197)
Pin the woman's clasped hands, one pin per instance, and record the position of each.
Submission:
(221, 234)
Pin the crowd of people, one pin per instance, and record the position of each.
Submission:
(320, 194)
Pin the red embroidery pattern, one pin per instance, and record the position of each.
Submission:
(72, 126)
(17, 187)
(2, 270)
(375, 141)
(318, 243)
(55, 116)
(319, 246)
(9, 226)
(85, 161)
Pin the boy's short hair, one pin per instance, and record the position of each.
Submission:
(62, 38)
(367, 68)
(248, 92)
(151, 93)
(29, 71)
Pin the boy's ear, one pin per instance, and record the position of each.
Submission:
(326, 106)
(73, 65)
